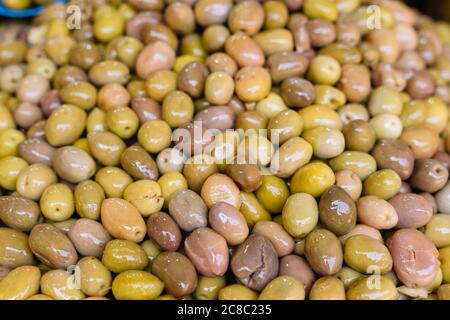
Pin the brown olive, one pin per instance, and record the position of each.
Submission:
(415, 257)
(321, 32)
(192, 79)
(395, 155)
(139, 164)
(287, 64)
(177, 273)
(337, 210)
(413, 210)
(297, 92)
(255, 262)
(429, 175)
(162, 229)
(324, 252)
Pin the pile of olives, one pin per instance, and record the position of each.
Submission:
(108, 165)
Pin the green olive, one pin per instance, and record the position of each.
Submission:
(384, 183)
(272, 193)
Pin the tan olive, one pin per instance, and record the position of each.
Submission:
(252, 83)
(89, 237)
(73, 164)
(281, 240)
(19, 213)
(65, 125)
(208, 251)
(429, 175)
(297, 267)
(244, 50)
(26, 114)
(377, 213)
(324, 252)
(66, 75)
(155, 56)
(122, 220)
(422, 140)
(413, 210)
(228, 222)
(36, 151)
(270, 106)
(188, 210)
(220, 61)
(216, 117)
(159, 33)
(255, 262)
(297, 92)
(214, 37)
(219, 187)
(395, 155)
(350, 182)
(113, 95)
(85, 55)
(146, 109)
(32, 88)
(52, 247)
